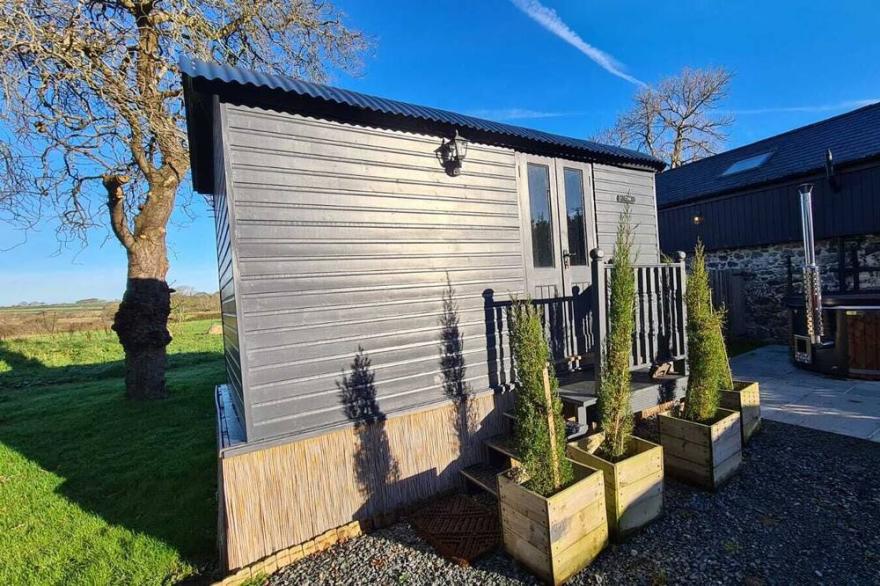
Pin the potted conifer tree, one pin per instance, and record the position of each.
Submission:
(633, 467)
(702, 443)
(552, 509)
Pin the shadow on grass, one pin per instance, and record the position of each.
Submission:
(149, 467)
(25, 371)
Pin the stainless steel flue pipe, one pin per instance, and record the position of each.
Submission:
(812, 278)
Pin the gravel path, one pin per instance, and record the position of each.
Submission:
(804, 509)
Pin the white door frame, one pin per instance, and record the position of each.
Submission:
(558, 280)
(541, 282)
(575, 275)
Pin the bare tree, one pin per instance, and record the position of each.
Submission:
(678, 120)
(91, 121)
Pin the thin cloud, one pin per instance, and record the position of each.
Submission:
(845, 105)
(548, 19)
(518, 114)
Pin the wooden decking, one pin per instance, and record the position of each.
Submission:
(578, 394)
(579, 388)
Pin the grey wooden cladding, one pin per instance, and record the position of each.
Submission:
(609, 183)
(340, 239)
(346, 237)
(225, 267)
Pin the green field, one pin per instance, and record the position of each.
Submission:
(95, 489)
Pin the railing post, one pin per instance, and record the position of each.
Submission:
(494, 340)
(682, 307)
(600, 309)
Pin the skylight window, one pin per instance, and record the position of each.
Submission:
(747, 164)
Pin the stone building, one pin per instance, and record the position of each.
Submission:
(743, 204)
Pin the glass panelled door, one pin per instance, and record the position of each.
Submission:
(541, 230)
(556, 204)
(576, 224)
(578, 238)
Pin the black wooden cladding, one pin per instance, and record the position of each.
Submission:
(772, 215)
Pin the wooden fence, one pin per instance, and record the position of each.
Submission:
(728, 293)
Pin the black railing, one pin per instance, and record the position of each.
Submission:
(576, 325)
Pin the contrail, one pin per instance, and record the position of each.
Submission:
(548, 19)
(519, 114)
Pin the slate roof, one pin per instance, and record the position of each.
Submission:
(852, 137)
(202, 79)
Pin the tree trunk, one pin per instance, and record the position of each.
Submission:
(141, 323)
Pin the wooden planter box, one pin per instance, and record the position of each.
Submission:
(745, 398)
(633, 486)
(706, 455)
(555, 536)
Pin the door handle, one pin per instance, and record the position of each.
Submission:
(566, 258)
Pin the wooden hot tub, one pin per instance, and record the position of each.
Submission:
(851, 345)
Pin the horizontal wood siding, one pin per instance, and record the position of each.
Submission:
(613, 186)
(771, 215)
(346, 237)
(226, 255)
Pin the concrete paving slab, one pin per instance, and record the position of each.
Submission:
(799, 397)
(774, 391)
(781, 413)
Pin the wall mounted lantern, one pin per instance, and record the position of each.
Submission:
(451, 153)
(698, 218)
(830, 173)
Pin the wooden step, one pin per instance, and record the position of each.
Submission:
(573, 429)
(575, 397)
(484, 476)
(503, 444)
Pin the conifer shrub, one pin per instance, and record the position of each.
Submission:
(530, 353)
(707, 354)
(613, 380)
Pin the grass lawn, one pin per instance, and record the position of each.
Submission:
(95, 489)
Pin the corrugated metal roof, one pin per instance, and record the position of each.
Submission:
(852, 137)
(385, 113)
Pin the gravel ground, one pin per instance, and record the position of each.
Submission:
(804, 509)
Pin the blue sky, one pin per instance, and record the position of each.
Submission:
(562, 66)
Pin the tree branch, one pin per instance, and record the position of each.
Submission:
(116, 204)
(674, 120)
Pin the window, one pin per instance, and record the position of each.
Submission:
(541, 216)
(747, 164)
(574, 209)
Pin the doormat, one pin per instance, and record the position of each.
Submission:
(458, 527)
